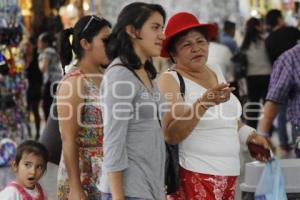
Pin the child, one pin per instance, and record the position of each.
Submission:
(30, 163)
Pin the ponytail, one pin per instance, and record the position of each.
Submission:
(65, 48)
(80, 31)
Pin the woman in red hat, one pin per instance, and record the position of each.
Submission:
(204, 115)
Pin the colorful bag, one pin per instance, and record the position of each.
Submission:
(51, 135)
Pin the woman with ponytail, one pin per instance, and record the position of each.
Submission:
(134, 148)
(79, 112)
(258, 69)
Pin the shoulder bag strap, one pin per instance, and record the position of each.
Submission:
(181, 84)
(182, 91)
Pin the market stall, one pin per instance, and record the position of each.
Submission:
(13, 117)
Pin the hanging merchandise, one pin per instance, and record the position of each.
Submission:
(7, 152)
(10, 25)
(3, 66)
(13, 116)
(10, 36)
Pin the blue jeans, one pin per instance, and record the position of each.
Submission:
(107, 196)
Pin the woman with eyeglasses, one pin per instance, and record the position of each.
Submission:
(134, 149)
(79, 112)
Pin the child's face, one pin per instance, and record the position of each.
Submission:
(30, 169)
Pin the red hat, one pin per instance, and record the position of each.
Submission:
(183, 21)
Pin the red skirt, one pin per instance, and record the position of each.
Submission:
(197, 186)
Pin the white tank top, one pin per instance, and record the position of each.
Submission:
(213, 146)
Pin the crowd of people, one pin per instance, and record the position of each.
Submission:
(116, 115)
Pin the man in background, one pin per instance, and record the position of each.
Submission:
(280, 39)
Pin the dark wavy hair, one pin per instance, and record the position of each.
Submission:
(87, 28)
(119, 43)
(252, 34)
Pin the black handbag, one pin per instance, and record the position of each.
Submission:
(172, 179)
(51, 135)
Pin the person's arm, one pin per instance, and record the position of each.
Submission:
(180, 120)
(249, 135)
(116, 185)
(281, 82)
(118, 89)
(68, 109)
(270, 112)
(43, 64)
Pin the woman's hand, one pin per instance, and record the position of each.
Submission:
(216, 95)
(259, 147)
(77, 195)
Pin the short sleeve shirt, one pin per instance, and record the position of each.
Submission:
(285, 83)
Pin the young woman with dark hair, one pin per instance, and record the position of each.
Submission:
(79, 112)
(259, 67)
(254, 31)
(134, 149)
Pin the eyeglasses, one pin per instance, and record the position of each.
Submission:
(99, 19)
